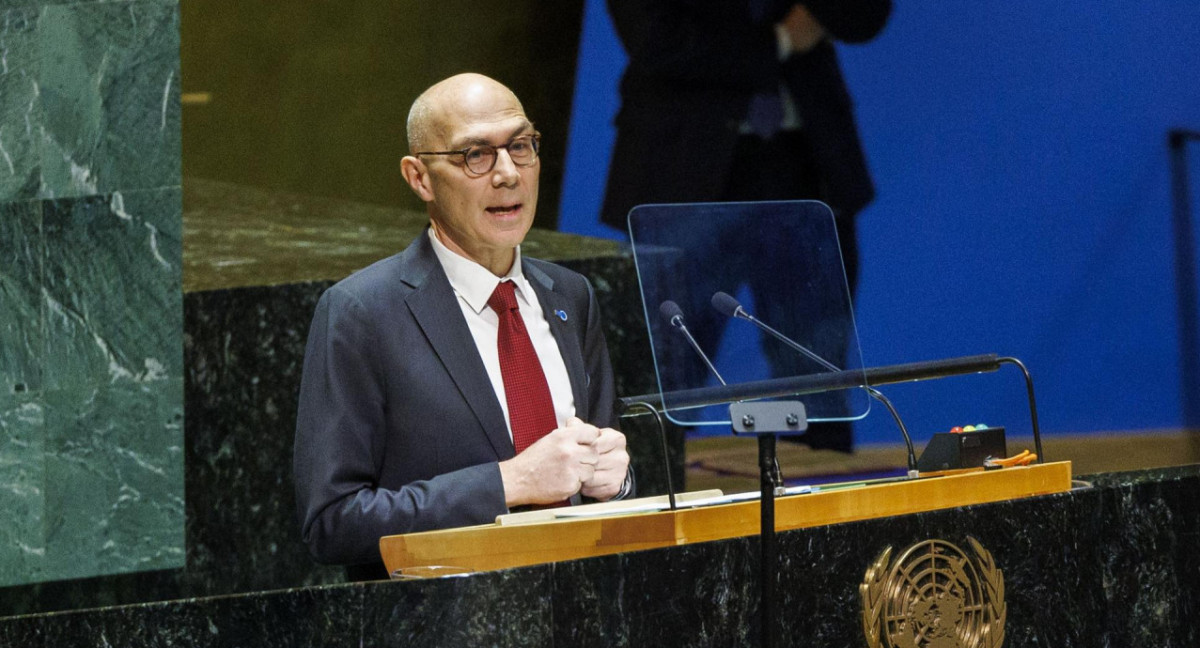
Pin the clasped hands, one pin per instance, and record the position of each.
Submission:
(578, 457)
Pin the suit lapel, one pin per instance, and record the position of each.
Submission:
(566, 333)
(436, 311)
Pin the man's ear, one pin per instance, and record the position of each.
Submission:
(417, 176)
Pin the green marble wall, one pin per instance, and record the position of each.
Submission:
(91, 377)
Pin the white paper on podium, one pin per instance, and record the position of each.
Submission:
(657, 504)
(695, 499)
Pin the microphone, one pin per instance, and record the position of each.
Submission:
(730, 307)
(674, 316)
(671, 312)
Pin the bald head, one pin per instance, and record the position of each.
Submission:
(479, 214)
(457, 98)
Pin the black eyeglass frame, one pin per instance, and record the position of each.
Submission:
(535, 140)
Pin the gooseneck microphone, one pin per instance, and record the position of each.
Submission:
(728, 306)
(674, 316)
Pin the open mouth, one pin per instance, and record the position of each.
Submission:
(504, 209)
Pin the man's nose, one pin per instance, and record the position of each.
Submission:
(505, 173)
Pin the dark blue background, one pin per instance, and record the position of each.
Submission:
(1024, 202)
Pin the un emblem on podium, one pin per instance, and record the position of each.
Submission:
(934, 595)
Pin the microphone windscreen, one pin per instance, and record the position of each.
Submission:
(670, 310)
(725, 304)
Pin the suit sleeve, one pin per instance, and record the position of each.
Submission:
(341, 432)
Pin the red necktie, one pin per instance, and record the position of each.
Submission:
(530, 408)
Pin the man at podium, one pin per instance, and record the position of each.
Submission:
(456, 380)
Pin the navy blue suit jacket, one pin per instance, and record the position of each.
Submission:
(399, 429)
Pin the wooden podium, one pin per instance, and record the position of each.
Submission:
(550, 539)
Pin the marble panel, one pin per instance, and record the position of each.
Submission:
(95, 592)
(114, 479)
(244, 352)
(1150, 534)
(156, 624)
(21, 321)
(308, 618)
(319, 618)
(113, 306)
(26, 632)
(109, 93)
(4, 4)
(301, 619)
(506, 609)
(695, 595)
(590, 603)
(703, 596)
(22, 488)
(20, 113)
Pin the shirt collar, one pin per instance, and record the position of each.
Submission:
(471, 281)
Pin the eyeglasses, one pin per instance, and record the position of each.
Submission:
(481, 158)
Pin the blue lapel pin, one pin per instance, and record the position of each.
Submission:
(562, 314)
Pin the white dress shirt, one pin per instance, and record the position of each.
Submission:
(473, 284)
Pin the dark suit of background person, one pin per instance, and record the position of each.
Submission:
(694, 68)
(399, 428)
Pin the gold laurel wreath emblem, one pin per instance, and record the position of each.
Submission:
(876, 583)
(993, 582)
(871, 591)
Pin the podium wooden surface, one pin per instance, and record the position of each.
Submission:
(500, 546)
